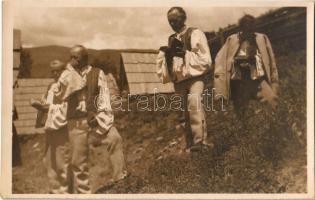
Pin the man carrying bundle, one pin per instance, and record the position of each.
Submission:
(184, 62)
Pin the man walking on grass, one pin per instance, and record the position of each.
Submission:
(184, 62)
(245, 69)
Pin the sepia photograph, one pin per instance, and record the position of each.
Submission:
(158, 100)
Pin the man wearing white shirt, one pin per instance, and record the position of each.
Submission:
(84, 104)
(55, 160)
(97, 123)
(184, 62)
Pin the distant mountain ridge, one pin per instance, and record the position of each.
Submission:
(107, 59)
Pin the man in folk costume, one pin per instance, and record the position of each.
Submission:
(55, 158)
(184, 62)
(245, 68)
(97, 122)
(67, 82)
(76, 91)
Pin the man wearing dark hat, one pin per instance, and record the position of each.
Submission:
(184, 62)
(245, 68)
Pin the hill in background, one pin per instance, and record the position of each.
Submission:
(107, 59)
(42, 56)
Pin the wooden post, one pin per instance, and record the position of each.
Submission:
(16, 54)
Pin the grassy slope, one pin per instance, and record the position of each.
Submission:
(265, 159)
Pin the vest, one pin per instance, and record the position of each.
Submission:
(73, 102)
(91, 91)
(186, 39)
(248, 51)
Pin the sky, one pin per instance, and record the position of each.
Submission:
(115, 27)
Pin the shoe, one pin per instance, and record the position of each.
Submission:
(201, 147)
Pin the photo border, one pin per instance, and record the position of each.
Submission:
(7, 78)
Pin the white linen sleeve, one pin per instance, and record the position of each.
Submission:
(199, 58)
(161, 68)
(104, 116)
(57, 116)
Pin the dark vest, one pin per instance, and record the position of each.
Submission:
(73, 102)
(92, 91)
(186, 39)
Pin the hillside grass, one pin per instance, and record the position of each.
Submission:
(265, 158)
